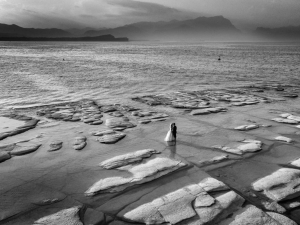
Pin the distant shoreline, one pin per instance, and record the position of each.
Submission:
(94, 39)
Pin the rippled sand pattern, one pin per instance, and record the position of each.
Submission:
(45, 72)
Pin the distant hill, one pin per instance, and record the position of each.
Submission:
(291, 33)
(201, 28)
(97, 38)
(80, 32)
(17, 31)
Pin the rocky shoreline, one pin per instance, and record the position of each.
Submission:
(236, 160)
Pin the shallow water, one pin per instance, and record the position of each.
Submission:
(46, 72)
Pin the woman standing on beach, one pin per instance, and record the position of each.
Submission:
(170, 135)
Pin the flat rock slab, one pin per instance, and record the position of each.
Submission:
(212, 185)
(111, 138)
(248, 146)
(86, 111)
(200, 112)
(16, 124)
(118, 123)
(150, 170)
(102, 132)
(142, 113)
(295, 162)
(208, 111)
(159, 116)
(24, 148)
(144, 121)
(224, 205)
(283, 184)
(214, 160)
(4, 156)
(283, 120)
(96, 122)
(79, 143)
(289, 95)
(8, 124)
(176, 206)
(63, 217)
(51, 124)
(107, 109)
(7, 148)
(182, 205)
(253, 215)
(119, 128)
(128, 108)
(284, 139)
(55, 146)
(123, 160)
(204, 200)
(116, 114)
(244, 103)
(173, 207)
(290, 117)
(247, 127)
(281, 219)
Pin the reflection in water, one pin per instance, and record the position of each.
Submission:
(172, 147)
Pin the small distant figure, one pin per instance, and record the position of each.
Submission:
(63, 59)
(219, 58)
(171, 135)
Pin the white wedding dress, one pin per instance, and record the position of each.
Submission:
(169, 136)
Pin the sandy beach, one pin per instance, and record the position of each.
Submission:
(236, 160)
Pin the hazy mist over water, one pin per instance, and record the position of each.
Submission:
(46, 72)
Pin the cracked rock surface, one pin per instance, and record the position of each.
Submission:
(188, 183)
(281, 185)
(66, 217)
(151, 169)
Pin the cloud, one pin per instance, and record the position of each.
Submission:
(136, 11)
(271, 13)
(112, 13)
(82, 13)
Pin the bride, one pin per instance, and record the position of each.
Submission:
(170, 136)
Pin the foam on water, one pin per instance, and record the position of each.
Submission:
(42, 73)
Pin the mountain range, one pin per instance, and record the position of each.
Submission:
(215, 28)
(201, 28)
(16, 31)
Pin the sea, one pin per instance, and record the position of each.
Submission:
(38, 73)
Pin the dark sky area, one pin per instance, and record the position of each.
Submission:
(244, 14)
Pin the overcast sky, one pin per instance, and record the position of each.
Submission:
(246, 14)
